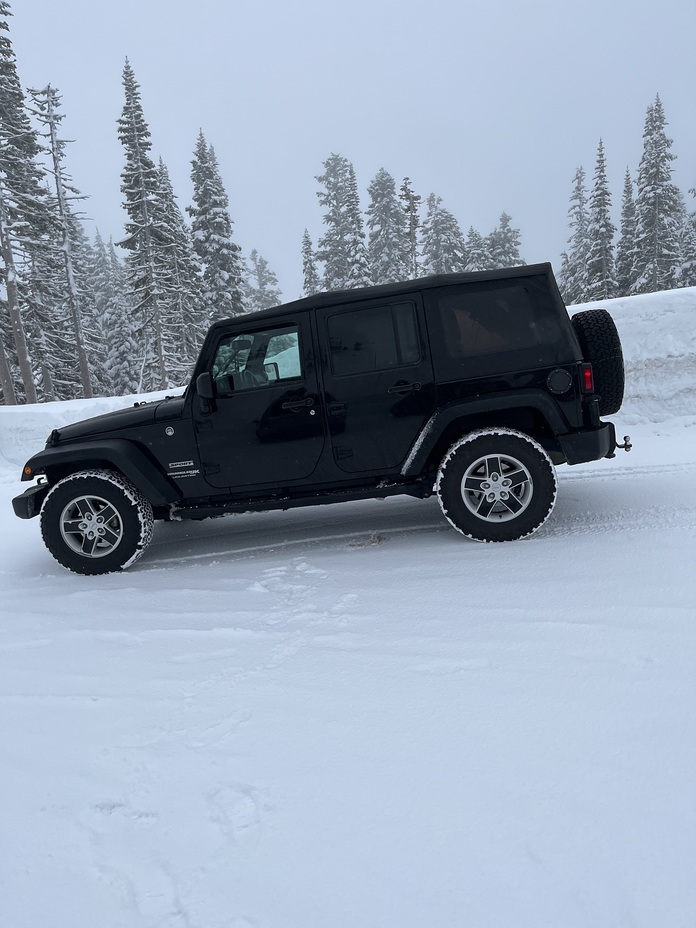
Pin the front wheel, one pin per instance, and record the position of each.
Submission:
(95, 522)
(496, 485)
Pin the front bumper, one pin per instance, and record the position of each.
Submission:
(30, 502)
(589, 444)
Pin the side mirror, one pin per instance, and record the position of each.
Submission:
(272, 371)
(205, 386)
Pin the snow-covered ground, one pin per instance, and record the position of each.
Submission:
(351, 717)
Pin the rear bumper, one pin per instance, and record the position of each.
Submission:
(589, 445)
(29, 503)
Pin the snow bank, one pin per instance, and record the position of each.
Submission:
(658, 334)
(24, 429)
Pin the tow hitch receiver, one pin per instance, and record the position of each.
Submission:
(626, 443)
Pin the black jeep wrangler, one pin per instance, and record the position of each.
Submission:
(470, 386)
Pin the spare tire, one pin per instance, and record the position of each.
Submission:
(601, 346)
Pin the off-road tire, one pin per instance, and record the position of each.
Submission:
(95, 522)
(601, 346)
(496, 485)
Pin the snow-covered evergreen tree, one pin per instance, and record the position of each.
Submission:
(184, 318)
(626, 245)
(478, 256)
(358, 262)
(601, 270)
(342, 247)
(411, 202)
(444, 250)
(23, 218)
(659, 210)
(47, 110)
(212, 231)
(48, 325)
(124, 356)
(311, 282)
(573, 276)
(140, 187)
(687, 274)
(504, 244)
(262, 289)
(388, 246)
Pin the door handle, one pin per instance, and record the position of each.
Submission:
(296, 405)
(403, 388)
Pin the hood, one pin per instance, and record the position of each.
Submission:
(130, 418)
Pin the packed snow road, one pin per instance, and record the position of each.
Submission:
(350, 715)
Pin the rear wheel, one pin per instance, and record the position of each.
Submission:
(496, 485)
(95, 522)
(601, 346)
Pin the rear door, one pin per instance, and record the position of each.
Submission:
(378, 380)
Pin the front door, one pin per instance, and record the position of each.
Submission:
(378, 381)
(265, 426)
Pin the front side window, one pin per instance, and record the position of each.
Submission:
(250, 360)
(374, 339)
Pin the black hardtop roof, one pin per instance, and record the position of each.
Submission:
(385, 291)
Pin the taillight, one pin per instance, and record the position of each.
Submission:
(587, 378)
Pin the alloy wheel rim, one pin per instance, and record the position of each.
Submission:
(497, 488)
(91, 526)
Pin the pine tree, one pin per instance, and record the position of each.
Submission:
(504, 244)
(184, 320)
(140, 187)
(211, 227)
(411, 207)
(573, 277)
(444, 250)
(50, 328)
(601, 271)
(659, 210)
(47, 111)
(311, 282)
(342, 247)
(388, 246)
(262, 289)
(23, 215)
(478, 256)
(626, 245)
(124, 358)
(687, 274)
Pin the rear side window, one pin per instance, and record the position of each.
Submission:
(482, 329)
(374, 339)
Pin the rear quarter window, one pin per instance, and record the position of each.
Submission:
(494, 328)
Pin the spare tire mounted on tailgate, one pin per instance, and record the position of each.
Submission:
(601, 346)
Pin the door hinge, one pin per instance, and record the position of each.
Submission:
(209, 469)
(341, 453)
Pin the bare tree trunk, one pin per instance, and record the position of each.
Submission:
(8, 389)
(14, 310)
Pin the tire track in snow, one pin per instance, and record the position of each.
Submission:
(622, 515)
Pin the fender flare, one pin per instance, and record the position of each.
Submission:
(118, 453)
(438, 422)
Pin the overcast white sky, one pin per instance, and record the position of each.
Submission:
(490, 105)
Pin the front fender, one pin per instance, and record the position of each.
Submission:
(115, 454)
